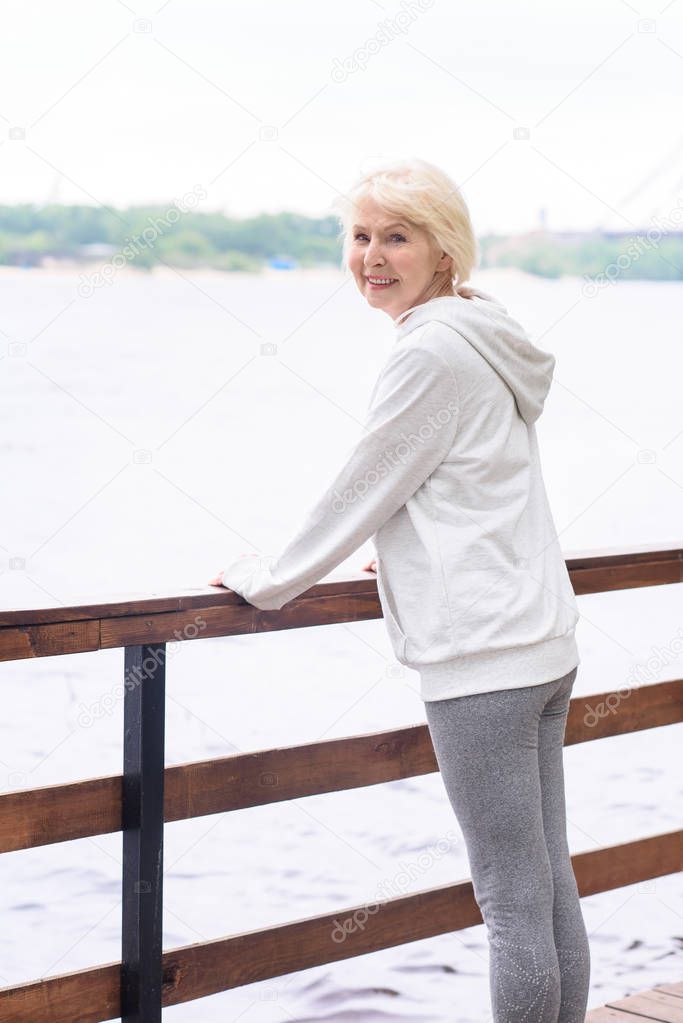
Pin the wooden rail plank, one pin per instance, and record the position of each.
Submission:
(221, 613)
(215, 966)
(625, 710)
(604, 579)
(68, 637)
(241, 620)
(629, 863)
(60, 813)
(120, 605)
(601, 571)
(86, 996)
(102, 624)
(205, 968)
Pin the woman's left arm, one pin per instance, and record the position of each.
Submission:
(409, 429)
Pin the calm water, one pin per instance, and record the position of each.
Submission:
(149, 438)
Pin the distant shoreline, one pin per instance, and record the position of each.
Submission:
(88, 239)
(73, 268)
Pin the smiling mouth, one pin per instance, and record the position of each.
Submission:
(380, 282)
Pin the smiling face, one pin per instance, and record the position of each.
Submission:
(385, 247)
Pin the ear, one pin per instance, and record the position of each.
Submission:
(445, 263)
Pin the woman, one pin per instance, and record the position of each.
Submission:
(475, 593)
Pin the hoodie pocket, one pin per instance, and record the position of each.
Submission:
(398, 638)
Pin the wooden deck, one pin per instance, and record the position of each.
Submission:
(663, 1003)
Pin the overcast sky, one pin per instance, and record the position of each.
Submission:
(569, 110)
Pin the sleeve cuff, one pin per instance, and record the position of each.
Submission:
(253, 579)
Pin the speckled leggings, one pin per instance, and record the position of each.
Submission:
(501, 759)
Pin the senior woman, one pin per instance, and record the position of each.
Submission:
(446, 479)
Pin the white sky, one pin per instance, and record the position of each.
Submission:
(122, 116)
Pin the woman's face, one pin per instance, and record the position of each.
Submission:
(385, 246)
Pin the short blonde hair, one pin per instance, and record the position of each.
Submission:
(425, 196)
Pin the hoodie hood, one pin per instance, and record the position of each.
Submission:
(486, 324)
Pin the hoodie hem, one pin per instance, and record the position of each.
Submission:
(491, 670)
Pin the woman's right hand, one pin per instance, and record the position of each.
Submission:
(371, 566)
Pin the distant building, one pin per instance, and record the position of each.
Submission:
(96, 250)
(282, 263)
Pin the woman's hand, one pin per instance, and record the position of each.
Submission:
(371, 566)
(218, 581)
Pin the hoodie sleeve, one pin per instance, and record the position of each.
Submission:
(408, 430)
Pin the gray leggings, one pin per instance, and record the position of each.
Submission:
(500, 757)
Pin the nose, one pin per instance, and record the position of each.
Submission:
(373, 255)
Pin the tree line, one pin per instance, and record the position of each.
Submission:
(145, 236)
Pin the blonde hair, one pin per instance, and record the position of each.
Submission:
(425, 196)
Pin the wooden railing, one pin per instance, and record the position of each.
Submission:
(146, 795)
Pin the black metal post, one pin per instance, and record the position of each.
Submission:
(143, 832)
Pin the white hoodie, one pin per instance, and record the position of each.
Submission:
(446, 479)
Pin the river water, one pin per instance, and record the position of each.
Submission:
(157, 427)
